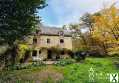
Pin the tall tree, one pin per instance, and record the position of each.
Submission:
(79, 40)
(106, 28)
(87, 21)
(18, 18)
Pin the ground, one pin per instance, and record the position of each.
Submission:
(73, 73)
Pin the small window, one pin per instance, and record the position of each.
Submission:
(48, 41)
(34, 40)
(61, 40)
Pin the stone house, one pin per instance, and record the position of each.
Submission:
(47, 37)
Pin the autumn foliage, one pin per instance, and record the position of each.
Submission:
(106, 29)
(102, 32)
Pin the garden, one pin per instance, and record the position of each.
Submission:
(94, 57)
(65, 71)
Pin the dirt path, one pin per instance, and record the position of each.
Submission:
(48, 73)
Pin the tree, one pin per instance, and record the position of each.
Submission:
(18, 18)
(79, 40)
(87, 21)
(106, 28)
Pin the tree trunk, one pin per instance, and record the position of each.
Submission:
(10, 55)
(14, 54)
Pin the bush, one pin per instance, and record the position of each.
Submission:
(24, 66)
(14, 67)
(63, 62)
(80, 55)
(23, 51)
(114, 51)
(37, 64)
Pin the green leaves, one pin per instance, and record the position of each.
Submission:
(18, 18)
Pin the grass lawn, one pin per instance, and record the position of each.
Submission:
(73, 73)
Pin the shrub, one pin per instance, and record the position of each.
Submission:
(63, 62)
(80, 55)
(68, 53)
(23, 51)
(113, 52)
(96, 53)
(37, 63)
(14, 67)
(24, 66)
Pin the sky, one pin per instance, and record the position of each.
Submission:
(62, 12)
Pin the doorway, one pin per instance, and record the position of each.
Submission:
(49, 54)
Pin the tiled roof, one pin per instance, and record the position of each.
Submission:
(53, 31)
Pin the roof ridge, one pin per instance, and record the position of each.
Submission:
(53, 31)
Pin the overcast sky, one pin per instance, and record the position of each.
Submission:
(60, 12)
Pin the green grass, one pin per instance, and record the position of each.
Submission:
(78, 73)
(73, 73)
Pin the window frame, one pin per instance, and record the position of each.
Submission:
(35, 40)
(61, 41)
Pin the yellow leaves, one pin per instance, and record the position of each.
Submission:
(106, 27)
(107, 21)
(22, 50)
(23, 47)
(113, 11)
(113, 50)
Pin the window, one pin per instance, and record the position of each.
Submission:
(61, 40)
(48, 41)
(34, 53)
(39, 51)
(34, 40)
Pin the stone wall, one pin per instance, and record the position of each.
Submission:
(55, 42)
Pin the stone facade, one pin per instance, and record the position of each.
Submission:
(53, 41)
(47, 38)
